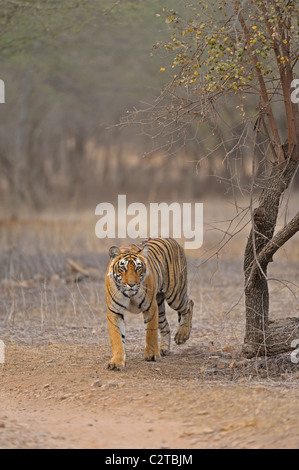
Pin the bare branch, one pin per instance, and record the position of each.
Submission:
(287, 232)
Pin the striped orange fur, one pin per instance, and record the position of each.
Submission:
(140, 278)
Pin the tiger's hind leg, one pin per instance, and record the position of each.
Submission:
(185, 321)
(163, 326)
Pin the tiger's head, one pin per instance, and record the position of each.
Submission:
(128, 269)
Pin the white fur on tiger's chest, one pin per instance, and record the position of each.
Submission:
(134, 308)
(129, 304)
(135, 302)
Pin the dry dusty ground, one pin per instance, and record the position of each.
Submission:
(50, 398)
(55, 392)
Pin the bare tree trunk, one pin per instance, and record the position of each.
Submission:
(260, 338)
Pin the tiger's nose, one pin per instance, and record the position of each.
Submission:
(131, 284)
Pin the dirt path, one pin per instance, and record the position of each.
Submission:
(58, 396)
(55, 392)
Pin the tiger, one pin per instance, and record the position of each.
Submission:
(140, 278)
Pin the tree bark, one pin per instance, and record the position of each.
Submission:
(260, 338)
(280, 334)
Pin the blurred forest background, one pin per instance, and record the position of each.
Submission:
(72, 71)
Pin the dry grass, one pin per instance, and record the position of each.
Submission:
(40, 303)
(205, 394)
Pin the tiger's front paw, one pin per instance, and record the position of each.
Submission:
(151, 354)
(116, 364)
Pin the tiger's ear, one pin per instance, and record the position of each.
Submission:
(144, 252)
(113, 251)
